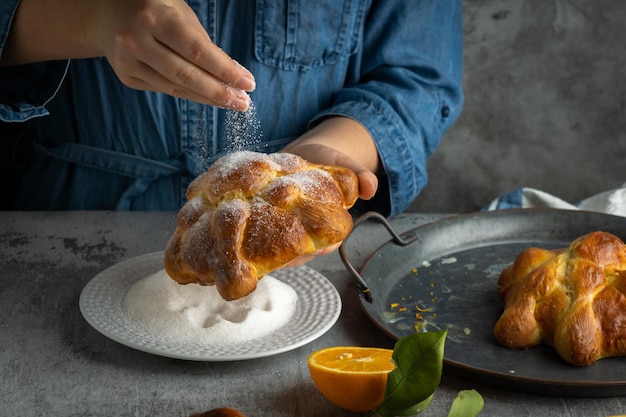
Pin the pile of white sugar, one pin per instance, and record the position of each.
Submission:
(198, 314)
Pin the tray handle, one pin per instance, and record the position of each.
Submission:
(396, 238)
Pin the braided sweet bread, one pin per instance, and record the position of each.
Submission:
(252, 213)
(573, 299)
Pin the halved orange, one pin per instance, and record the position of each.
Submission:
(351, 377)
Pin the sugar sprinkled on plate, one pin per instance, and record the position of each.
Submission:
(198, 314)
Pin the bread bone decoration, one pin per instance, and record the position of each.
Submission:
(252, 213)
(573, 299)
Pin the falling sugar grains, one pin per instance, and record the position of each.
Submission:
(243, 130)
(200, 155)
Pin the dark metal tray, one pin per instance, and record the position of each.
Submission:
(446, 272)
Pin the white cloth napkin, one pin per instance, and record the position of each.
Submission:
(610, 202)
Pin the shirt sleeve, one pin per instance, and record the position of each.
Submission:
(25, 89)
(405, 89)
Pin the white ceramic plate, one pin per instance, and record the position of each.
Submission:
(101, 303)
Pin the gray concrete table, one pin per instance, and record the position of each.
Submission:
(53, 363)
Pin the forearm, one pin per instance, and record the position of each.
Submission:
(406, 98)
(44, 30)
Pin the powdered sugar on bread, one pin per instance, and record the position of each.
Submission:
(258, 212)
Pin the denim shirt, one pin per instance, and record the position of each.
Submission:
(393, 66)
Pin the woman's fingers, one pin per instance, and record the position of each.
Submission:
(195, 47)
(322, 154)
(163, 47)
(165, 76)
(151, 80)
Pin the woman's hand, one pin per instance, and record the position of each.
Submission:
(155, 45)
(331, 143)
(326, 155)
(160, 45)
(344, 142)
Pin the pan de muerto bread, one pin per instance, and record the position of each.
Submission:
(252, 213)
(573, 299)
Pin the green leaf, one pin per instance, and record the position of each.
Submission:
(419, 362)
(467, 403)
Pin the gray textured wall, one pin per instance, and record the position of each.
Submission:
(545, 85)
